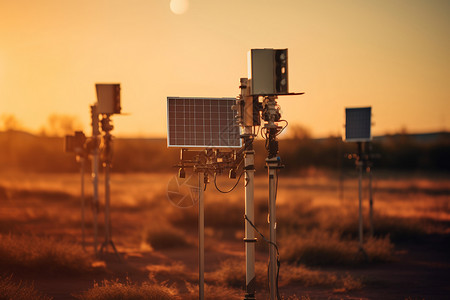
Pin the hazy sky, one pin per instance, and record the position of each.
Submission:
(393, 55)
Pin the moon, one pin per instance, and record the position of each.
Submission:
(179, 7)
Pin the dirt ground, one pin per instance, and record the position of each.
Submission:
(49, 205)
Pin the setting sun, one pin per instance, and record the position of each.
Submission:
(179, 7)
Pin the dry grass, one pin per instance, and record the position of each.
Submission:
(216, 292)
(176, 272)
(301, 276)
(43, 254)
(314, 228)
(295, 297)
(164, 236)
(17, 290)
(231, 273)
(116, 290)
(325, 248)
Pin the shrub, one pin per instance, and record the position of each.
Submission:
(164, 237)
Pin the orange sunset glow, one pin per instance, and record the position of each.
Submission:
(392, 55)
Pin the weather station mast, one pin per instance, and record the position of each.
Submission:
(108, 104)
(358, 123)
(268, 79)
(77, 144)
(216, 135)
(209, 138)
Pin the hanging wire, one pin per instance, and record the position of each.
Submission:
(232, 188)
(282, 129)
(278, 255)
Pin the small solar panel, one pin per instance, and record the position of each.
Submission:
(202, 123)
(357, 124)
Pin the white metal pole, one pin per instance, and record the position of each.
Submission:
(360, 207)
(107, 205)
(201, 237)
(369, 170)
(273, 226)
(250, 280)
(360, 169)
(94, 174)
(95, 162)
(83, 240)
(370, 201)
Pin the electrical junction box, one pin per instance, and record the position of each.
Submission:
(74, 143)
(108, 97)
(268, 71)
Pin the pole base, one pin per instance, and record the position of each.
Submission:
(104, 248)
(249, 297)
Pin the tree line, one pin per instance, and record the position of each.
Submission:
(25, 152)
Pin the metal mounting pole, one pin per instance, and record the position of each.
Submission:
(359, 164)
(245, 114)
(250, 279)
(369, 170)
(107, 127)
(95, 164)
(201, 236)
(273, 162)
(83, 239)
(272, 165)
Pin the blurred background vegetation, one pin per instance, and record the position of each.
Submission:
(43, 152)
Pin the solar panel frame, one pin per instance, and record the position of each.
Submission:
(358, 123)
(201, 122)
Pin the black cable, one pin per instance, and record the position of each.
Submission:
(235, 185)
(282, 129)
(278, 254)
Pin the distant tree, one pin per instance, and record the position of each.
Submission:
(60, 125)
(10, 122)
(298, 132)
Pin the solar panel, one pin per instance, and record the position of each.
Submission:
(357, 124)
(202, 123)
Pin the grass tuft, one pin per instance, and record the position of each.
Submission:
(217, 292)
(325, 248)
(115, 290)
(231, 273)
(299, 275)
(10, 289)
(43, 254)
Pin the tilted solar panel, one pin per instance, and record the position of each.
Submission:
(358, 124)
(202, 123)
